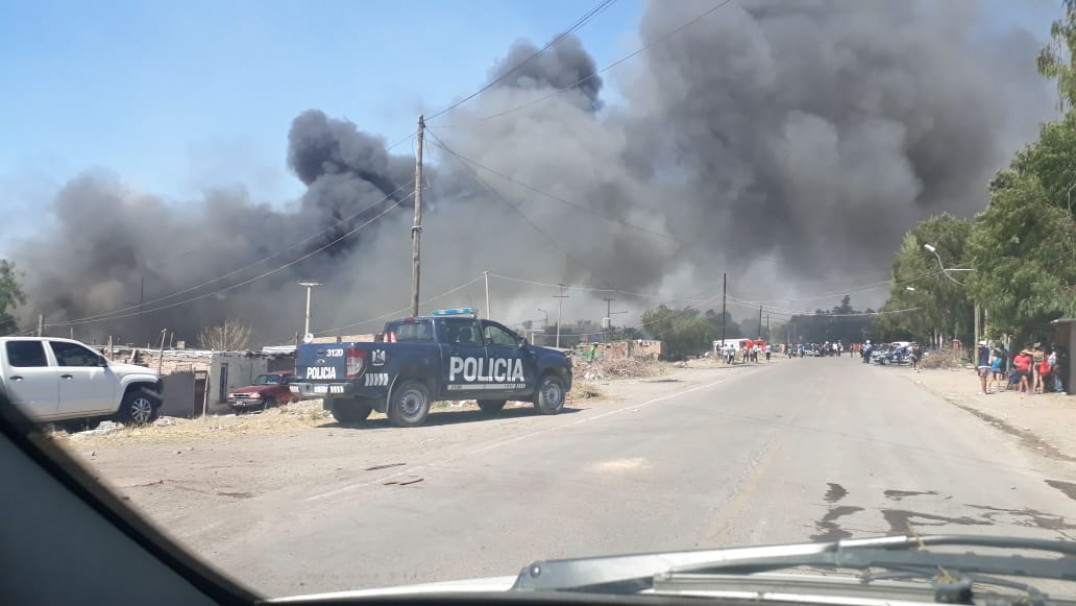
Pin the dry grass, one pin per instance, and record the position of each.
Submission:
(584, 390)
(283, 419)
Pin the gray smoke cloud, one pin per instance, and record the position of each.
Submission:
(566, 66)
(788, 144)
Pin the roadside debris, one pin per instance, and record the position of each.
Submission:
(627, 368)
(942, 358)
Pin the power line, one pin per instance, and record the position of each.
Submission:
(244, 267)
(595, 289)
(244, 282)
(574, 205)
(396, 312)
(568, 256)
(611, 66)
(860, 289)
(788, 312)
(556, 40)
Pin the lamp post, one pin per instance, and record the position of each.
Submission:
(946, 270)
(306, 325)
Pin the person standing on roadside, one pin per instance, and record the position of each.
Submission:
(1038, 356)
(983, 364)
(1022, 367)
(769, 350)
(913, 356)
(995, 368)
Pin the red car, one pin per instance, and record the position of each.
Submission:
(269, 389)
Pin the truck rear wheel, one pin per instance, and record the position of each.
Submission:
(409, 404)
(549, 397)
(351, 410)
(491, 406)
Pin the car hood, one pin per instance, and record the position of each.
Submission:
(253, 389)
(538, 349)
(130, 369)
(468, 586)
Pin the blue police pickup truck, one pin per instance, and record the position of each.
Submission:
(450, 355)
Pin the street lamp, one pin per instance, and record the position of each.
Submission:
(934, 251)
(306, 325)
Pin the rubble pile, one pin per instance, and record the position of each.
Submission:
(942, 358)
(627, 368)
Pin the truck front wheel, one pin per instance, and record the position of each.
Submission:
(549, 397)
(409, 404)
(139, 407)
(351, 410)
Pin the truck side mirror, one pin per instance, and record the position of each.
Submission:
(102, 362)
(522, 342)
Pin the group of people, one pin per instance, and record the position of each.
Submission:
(750, 351)
(1034, 369)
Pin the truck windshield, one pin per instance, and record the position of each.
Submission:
(267, 380)
(415, 330)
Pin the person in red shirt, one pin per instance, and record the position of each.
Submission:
(1022, 366)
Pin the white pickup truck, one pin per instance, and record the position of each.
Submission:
(66, 383)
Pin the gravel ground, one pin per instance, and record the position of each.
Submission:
(1043, 421)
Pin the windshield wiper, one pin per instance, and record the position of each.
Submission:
(951, 573)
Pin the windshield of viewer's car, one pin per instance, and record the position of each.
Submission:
(545, 280)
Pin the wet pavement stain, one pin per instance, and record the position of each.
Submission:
(1031, 518)
(835, 493)
(901, 520)
(828, 528)
(897, 495)
(1068, 488)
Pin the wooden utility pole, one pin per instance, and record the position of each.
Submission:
(40, 324)
(560, 310)
(416, 228)
(486, 275)
(724, 293)
(760, 321)
(607, 321)
(975, 337)
(768, 338)
(160, 358)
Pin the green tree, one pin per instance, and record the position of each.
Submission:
(1057, 60)
(1024, 251)
(11, 295)
(685, 331)
(842, 323)
(941, 301)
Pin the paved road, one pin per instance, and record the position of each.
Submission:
(801, 449)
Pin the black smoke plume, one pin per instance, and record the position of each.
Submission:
(790, 144)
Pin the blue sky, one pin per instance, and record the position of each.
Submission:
(175, 97)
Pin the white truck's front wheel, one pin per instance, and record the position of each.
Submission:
(139, 407)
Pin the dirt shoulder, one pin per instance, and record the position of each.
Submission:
(1043, 422)
(179, 469)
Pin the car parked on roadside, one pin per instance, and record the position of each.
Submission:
(68, 384)
(269, 389)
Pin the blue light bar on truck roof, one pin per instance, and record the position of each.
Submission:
(454, 312)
